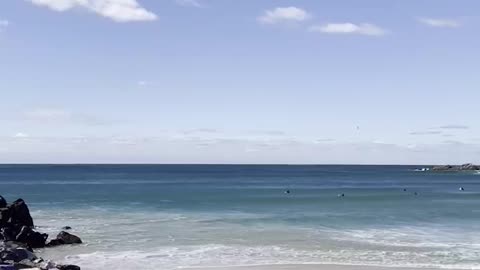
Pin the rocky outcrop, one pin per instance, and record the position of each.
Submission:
(18, 238)
(64, 238)
(456, 168)
(20, 214)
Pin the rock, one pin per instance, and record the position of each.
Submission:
(18, 238)
(16, 255)
(7, 234)
(68, 267)
(47, 265)
(4, 216)
(32, 238)
(3, 202)
(64, 238)
(25, 264)
(68, 238)
(20, 214)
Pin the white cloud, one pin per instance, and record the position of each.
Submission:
(188, 3)
(349, 28)
(117, 10)
(21, 135)
(447, 23)
(284, 14)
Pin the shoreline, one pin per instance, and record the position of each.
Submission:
(312, 266)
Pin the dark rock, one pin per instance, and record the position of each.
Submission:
(55, 242)
(11, 245)
(3, 202)
(4, 216)
(68, 238)
(8, 255)
(32, 238)
(18, 238)
(64, 238)
(7, 267)
(68, 267)
(24, 264)
(7, 234)
(20, 214)
(16, 255)
(67, 228)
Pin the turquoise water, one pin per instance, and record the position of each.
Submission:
(171, 216)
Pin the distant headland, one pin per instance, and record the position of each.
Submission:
(456, 168)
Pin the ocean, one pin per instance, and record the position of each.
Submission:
(180, 216)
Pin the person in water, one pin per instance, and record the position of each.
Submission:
(461, 189)
(287, 191)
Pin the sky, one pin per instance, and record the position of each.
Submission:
(251, 81)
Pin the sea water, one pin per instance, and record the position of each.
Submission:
(180, 216)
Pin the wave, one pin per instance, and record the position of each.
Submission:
(215, 255)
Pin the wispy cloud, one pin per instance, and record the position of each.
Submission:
(21, 135)
(117, 10)
(454, 127)
(349, 28)
(60, 116)
(445, 23)
(319, 141)
(189, 3)
(283, 15)
(432, 132)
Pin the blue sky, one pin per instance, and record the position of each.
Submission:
(223, 81)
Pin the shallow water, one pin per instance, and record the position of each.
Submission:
(171, 216)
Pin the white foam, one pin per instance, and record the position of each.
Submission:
(221, 255)
(167, 240)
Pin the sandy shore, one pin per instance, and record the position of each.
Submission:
(308, 267)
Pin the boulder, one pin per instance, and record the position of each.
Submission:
(24, 264)
(3, 202)
(20, 214)
(7, 234)
(32, 238)
(16, 255)
(64, 238)
(4, 216)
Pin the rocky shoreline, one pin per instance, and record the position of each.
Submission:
(18, 239)
(456, 168)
